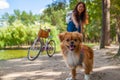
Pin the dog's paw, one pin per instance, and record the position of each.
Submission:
(86, 77)
(70, 78)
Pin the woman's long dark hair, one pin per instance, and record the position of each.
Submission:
(83, 16)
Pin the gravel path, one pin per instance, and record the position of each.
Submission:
(54, 68)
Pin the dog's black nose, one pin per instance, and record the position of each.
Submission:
(72, 43)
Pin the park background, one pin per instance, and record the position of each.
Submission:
(20, 28)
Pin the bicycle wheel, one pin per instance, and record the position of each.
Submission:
(51, 47)
(34, 50)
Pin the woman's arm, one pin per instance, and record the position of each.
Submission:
(75, 20)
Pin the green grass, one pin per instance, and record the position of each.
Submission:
(12, 54)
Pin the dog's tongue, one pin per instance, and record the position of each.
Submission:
(72, 47)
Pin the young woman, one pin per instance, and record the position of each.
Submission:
(78, 19)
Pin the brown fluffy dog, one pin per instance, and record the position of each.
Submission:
(76, 54)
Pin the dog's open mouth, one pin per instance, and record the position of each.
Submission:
(71, 47)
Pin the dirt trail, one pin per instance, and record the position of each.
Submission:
(54, 68)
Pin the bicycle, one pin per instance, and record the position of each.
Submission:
(43, 42)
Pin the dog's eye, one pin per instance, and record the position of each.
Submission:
(75, 40)
(67, 40)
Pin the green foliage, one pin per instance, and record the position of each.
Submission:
(20, 34)
(55, 14)
(24, 17)
(115, 8)
(14, 35)
(23, 26)
(2, 43)
(55, 33)
(73, 4)
(115, 18)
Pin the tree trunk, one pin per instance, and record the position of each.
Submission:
(118, 53)
(118, 34)
(105, 34)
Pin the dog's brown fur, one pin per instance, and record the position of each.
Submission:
(72, 48)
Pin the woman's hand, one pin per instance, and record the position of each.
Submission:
(77, 26)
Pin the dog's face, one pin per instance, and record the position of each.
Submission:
(71, 40)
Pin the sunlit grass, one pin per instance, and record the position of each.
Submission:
(12, 54)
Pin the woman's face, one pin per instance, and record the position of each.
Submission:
(80, 8)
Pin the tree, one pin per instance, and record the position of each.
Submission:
(27, 18)
(105, 35)
(55, 14)
(115, 10)
(72, 4)
(118, 34)
(17, 14)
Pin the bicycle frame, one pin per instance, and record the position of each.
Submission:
(44, 43)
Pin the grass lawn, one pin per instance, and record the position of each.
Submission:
(12, 54)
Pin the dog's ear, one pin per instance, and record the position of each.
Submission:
(61, 36)
(80, 37)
